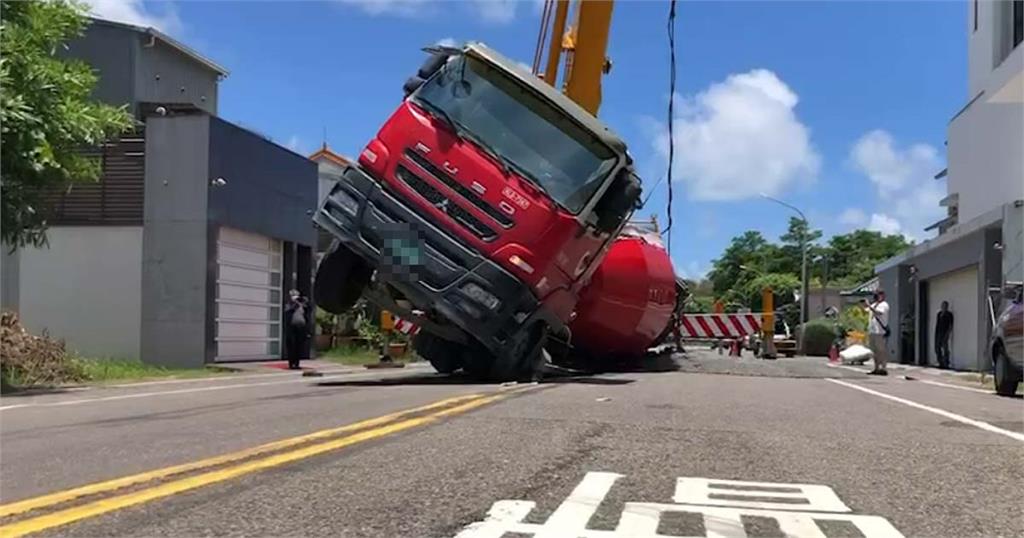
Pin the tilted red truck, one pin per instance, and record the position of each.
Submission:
(480, 211)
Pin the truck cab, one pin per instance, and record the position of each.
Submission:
(479, 211)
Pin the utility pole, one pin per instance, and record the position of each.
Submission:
(803, 268)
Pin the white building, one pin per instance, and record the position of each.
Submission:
(979, 246)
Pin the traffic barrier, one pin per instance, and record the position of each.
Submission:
(719, 326)
(406, 327)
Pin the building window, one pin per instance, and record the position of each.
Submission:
(1018, 22)
(975, 3)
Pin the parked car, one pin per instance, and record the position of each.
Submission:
(1007, 346)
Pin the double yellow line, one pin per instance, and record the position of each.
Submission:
(228, 466)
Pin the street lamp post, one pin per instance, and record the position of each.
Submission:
(803, 267)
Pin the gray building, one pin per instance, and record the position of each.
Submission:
(182, 253)
(980, 245)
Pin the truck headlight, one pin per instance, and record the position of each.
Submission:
(480, 295)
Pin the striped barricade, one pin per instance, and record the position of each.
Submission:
(719, 326)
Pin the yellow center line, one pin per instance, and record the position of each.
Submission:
(102, 506)
(118, 483)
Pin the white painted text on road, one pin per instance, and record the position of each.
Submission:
(722, 506)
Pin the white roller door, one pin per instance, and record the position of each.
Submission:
(248, 318)
(960, 288)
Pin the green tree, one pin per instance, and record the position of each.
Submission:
(852, 257)
(782, 284)
(790, 252)
(46, 113)
(746, 253)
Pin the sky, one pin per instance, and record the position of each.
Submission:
(838, 108)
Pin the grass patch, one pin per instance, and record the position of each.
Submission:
(113, 370)
(360, 356)
(351, 356)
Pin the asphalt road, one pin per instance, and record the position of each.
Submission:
(832, 452)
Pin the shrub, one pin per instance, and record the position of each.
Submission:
(28, 360)
(818, 336)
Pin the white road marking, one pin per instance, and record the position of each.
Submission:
(941, 412)
(940, 384)
(135, 395)
(815, 498)
(641, 519)
(574, 513)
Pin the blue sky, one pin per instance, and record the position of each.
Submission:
(840, 108)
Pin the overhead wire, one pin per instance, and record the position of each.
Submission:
(671, 101)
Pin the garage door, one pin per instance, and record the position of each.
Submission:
(960, 288)
(248, 296)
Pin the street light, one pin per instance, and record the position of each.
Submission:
(803, 266)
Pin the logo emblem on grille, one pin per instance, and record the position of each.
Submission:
(442, 205)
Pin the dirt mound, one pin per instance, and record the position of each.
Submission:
(29, 360)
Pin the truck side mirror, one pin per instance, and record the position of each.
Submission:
(412, 84)
(621, 198)
(431, 65)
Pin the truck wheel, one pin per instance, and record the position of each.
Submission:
(444, 356)
(1007, 377)
(525, 358)
(340, 279)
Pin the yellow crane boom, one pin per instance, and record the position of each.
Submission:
(584, 45)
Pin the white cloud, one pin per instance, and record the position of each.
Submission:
(694, 270)
(497, 11)
(136, 12)
(853, 217)
(489, 11)
(885, 224)
(908, 194)
(400, 8)
(740, 137)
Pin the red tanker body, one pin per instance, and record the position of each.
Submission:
(629, 301)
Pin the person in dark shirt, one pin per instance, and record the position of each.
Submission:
(943, 330)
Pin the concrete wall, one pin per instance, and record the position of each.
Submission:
(167, 75)
(176, 240)
(1013, 243)
(85, 288)
(985, 144)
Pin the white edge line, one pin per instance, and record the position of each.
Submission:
(191, 390)
(941, 412)
(938, 384)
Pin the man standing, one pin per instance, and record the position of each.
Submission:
(298, 320)
(878, 331)
(943, 330)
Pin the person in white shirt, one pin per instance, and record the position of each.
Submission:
(878, 331)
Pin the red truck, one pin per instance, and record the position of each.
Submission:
(480, 211)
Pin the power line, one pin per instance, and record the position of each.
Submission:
(671, 102)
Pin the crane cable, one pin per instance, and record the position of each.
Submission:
(671, 102)
(545, 21)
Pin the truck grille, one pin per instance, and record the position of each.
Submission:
(442, 202)
(465, 192)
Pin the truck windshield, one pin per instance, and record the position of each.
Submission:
(531, 136)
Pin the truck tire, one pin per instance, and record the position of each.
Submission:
(525, 358)
(444, 356)
(340, 280)
(1006, 376)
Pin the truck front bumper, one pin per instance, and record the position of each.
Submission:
(427, 265)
